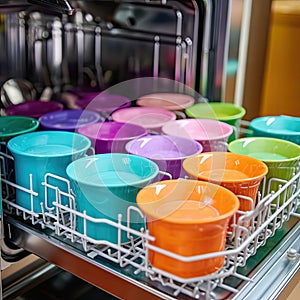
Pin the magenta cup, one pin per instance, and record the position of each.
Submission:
(33, 109)
(168, 152)
(102, 102)
(212, 134)
(68, 120)
(109, 137)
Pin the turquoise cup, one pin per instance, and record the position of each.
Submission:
(39, 153)
(105, 185)
(279, 127)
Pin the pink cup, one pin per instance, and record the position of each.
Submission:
(212, 134)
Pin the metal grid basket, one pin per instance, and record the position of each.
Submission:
(247, 233)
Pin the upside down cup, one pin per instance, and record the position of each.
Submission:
(187, 218)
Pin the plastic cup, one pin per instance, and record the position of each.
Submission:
(281, 157)
(212, 134)
(33, 109)
(239, 173)
(222, 111)
(105, 185)
(102, 102)
(280, 127)
(11, 126)
(187, 217)
(39, 153)
(68, 120)
(168, 152)
(109, 137)
(151, 118)
(169, 101)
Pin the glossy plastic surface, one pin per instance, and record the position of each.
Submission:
(33, 109)
(102, 102)
(169, 101)
(69, 120)
(11, 126)
(168, 152)
(281, 157)
(212, 134)
(109, 137)
(241, 174)
(39, 153)
(282, 127)
(105, 185)
(187, 217)
(151, 118)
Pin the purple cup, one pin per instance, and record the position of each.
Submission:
(68, 120)
(168, 152)
(33, 109)
(102, 102)
(109, 137)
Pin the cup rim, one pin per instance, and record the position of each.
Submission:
(167, 100)
(202, 120)
(198, 221)
(280, 141)
(241, 181)
(18, 139)
(82, 130)
(118, 115)
(72, 176)
(241, 110)
(254, 124)
(46, 119)
(35, 125)
(196, 143)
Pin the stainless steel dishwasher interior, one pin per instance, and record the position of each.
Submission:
(183, 41)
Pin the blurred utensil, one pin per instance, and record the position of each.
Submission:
(15, 91)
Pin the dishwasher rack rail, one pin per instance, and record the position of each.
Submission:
(245, 236)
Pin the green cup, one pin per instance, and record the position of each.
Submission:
(221, 111)
(11, 126)
(281, 157)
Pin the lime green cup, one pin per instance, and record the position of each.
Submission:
(281, 157)
(221, 111)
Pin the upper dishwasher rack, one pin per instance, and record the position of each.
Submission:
(243, 239)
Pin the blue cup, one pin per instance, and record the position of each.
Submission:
(39, 153)
(280, 127)
(105, 185)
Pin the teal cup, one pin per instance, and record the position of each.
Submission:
(38, 153)
(281, 157)
(106, 185)
(279, 127)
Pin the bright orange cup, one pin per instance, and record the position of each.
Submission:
(187, 217)
(239, 173)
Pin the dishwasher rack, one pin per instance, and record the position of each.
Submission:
(245, 236)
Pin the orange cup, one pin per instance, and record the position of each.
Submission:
(239, 173)
(188, 218)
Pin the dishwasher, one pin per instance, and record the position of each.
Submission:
(88, 46)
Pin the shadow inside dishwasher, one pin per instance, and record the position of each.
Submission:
(65, 286)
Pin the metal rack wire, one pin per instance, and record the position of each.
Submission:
(247, 233)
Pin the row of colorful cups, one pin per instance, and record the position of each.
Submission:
(105, 185)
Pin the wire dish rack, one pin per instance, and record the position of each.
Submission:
(247, 233)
